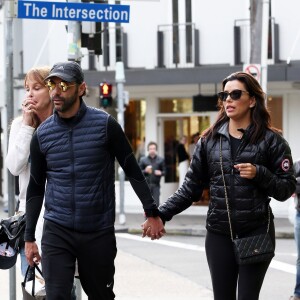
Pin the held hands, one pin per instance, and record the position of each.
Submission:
(32, 253)
(246, 170)
(153, 228)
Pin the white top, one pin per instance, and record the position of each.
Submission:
(17, 162)
(17, 159)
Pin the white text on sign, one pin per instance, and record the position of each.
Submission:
(73, 11)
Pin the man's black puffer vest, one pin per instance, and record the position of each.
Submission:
(80, 190)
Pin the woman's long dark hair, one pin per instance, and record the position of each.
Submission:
(260, 117)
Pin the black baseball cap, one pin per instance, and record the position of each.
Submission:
(69, 71)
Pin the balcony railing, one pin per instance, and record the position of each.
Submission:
(242, 42)
(177, 46)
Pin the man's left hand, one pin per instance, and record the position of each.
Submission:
(153, 228)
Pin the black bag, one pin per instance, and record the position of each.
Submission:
(11, 239)
(33, 295)
(253, 249)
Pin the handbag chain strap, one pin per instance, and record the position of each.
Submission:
(226, 196)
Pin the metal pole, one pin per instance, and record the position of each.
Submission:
(74, 54)
(9, 97)
(74, 38)
(120, 79)
(264, 45)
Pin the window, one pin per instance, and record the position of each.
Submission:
(134, 127)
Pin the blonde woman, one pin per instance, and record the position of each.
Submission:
(36, 107)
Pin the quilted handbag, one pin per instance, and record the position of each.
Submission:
(253, 249)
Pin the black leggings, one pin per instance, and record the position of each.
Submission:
(226, 275)
(95, 253)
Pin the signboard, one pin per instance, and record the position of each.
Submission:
(73, 11)
(254, 70)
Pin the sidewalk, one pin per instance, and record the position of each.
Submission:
(134, 279)
(193, 225)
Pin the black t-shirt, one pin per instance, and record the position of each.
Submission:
(234, 145)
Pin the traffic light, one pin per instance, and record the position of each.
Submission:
(91, 39)
(105, 94)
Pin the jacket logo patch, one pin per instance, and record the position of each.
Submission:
(285, 165)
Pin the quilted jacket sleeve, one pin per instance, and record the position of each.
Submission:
(278, 178)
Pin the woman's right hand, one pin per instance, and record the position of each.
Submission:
(29, 113)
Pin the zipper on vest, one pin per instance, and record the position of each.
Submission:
(72, 175)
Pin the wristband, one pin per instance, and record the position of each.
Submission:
(151, 213)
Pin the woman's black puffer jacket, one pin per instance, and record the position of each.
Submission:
(248, 198)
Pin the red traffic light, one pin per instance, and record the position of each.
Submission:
(105, 89)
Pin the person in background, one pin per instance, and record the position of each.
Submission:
(243, 154)
(36, 108)
(297, 231)
(192, 146)
(183, 159)
(153, 167)
(75, 151)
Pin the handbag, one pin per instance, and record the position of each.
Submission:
(37, 289)
(252, 249)
(11, 239)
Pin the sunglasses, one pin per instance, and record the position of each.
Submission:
(234, 95)
(63, 85)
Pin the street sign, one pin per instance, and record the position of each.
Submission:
(71, 11)
(254, 70)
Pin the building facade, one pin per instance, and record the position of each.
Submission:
(175, 53)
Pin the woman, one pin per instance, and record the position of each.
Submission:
(257, 165)
(36, 107)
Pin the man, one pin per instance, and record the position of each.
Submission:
(74, 150)
(153, 167)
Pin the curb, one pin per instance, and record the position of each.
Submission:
(197, 232)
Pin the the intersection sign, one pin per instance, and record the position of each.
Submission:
(73, 11)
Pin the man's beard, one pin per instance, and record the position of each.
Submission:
(66, 103)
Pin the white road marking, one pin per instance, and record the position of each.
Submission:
(275, 264)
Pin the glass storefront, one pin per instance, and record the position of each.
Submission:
(179, 120)
(134, 124)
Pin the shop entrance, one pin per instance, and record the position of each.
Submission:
(171, 129)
